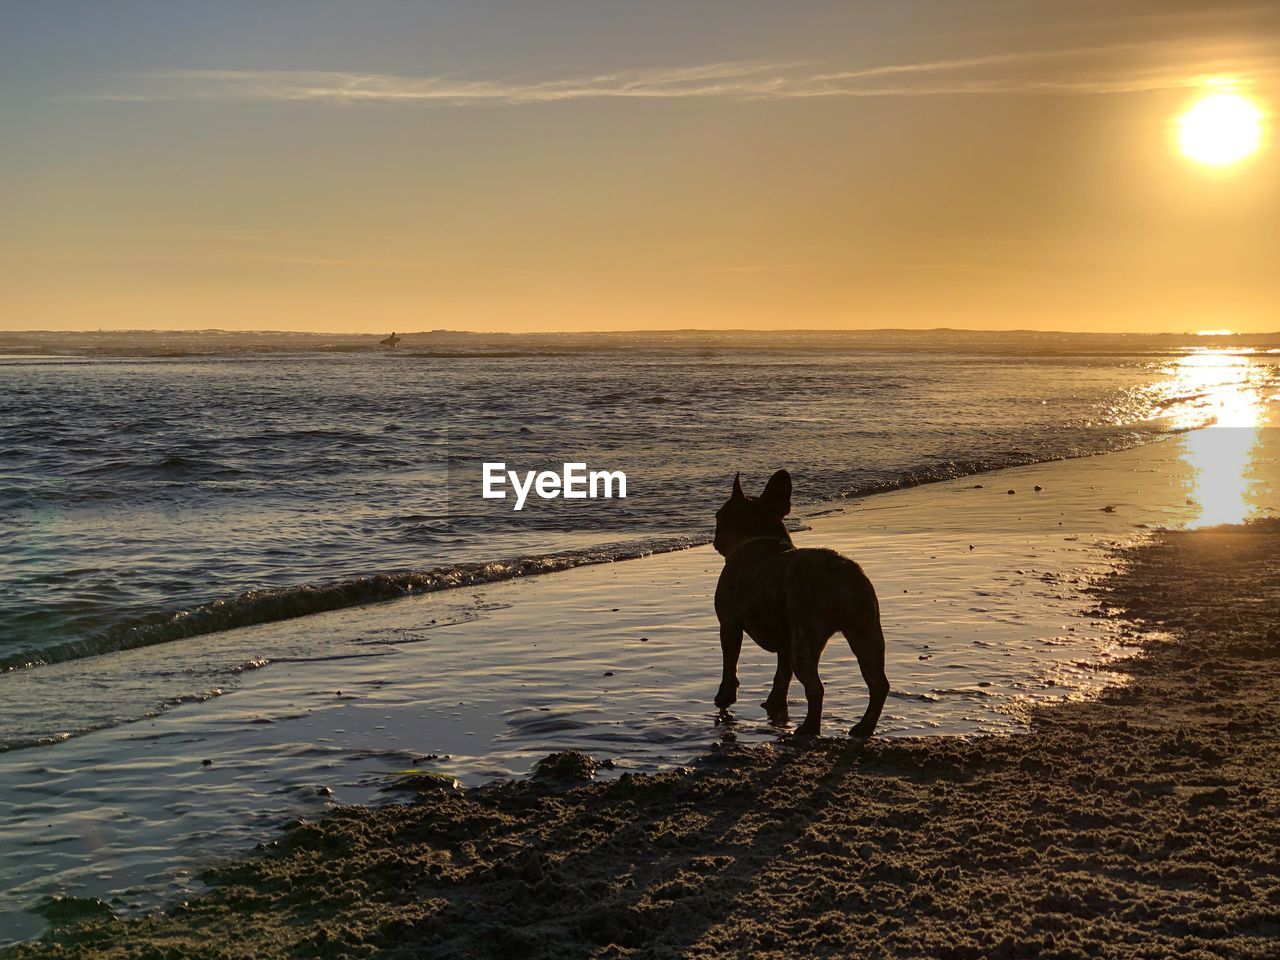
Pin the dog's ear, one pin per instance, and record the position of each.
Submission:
(777, 494)
(737, 488)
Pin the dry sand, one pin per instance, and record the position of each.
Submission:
(1145, 823)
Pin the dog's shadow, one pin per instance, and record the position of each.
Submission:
(645, 867)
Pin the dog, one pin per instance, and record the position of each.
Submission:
(791, 600)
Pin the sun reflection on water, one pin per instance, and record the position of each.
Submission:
(1223, 406)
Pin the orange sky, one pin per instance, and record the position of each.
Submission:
(597, 166)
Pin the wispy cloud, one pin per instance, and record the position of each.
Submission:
(201, 257)
(1115, 68)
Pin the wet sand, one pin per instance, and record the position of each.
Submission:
(1142, 823)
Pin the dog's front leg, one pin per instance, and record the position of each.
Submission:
(730, 647)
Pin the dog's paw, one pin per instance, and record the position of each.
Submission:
(726, 698)
(807, 729)
(775, 708)
(862, 730)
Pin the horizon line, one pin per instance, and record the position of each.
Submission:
(1205, 334)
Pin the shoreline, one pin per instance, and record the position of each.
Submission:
(1137, 824)
(297, 601)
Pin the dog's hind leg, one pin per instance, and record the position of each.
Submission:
(806, 650)
(867, 643)
(776, 705)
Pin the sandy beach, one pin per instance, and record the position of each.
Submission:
(1138, 824)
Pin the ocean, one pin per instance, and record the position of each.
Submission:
(155, 489)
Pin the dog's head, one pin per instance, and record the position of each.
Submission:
(743, 518)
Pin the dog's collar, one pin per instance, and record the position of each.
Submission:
(750, 540)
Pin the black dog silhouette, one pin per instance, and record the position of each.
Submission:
(791, 601)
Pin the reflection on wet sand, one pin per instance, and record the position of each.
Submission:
(1232, 470)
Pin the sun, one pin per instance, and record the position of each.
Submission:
(1221, 129)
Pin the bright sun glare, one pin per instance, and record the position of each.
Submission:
(1225, 455)
(1220, 129)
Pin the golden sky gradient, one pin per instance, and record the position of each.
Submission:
(603, 166)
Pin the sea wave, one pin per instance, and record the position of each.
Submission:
(267, 606)
(171, 467)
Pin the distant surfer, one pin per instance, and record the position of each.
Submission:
(391, 341)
